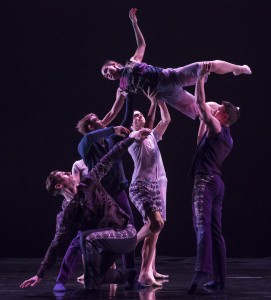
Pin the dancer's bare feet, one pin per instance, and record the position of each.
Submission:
(113, 266)
(148, 281)
(160, 276)
(242, 70)
(81, 279)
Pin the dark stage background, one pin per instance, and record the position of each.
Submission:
(51, 53)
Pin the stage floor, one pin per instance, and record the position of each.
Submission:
(248, 278)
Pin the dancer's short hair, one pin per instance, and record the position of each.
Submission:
(82, 125)
(232, 111)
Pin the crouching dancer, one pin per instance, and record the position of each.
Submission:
(105, 229)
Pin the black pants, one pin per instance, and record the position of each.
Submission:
(101, 247)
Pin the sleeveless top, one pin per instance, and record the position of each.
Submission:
(211, 152)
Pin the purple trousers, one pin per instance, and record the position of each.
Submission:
(207, 201)
(74, 253)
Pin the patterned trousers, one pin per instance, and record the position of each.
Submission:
(73, 254)
(100, 248)
(207, 201)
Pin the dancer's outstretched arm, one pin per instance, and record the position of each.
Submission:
(165, 118)
(151, 114)
(206, 116)
(137, 57)
(141, 45)
(110, 116)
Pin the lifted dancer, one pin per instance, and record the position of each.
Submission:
(161, 84)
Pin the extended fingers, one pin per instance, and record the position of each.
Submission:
(34, 283)
(25, 284)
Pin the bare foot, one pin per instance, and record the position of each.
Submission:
(113, 266)
(160, 276)
(242, 70)
(148, 281)
(81, 279)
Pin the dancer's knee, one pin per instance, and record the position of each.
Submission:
(215, 64)
(156, 225)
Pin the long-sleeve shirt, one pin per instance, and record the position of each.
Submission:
(91, 208)
(91, 150)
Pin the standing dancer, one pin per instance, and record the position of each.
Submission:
(97, 141)
(213, 146)
(162, 84)
(148, 192)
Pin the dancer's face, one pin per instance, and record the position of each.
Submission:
(66, 179)
(138, 120)
(111, 72)
(96, 123)
(220, 113)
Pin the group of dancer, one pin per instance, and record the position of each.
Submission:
(95, 201)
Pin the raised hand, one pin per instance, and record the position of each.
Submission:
(205, 69)
(132, 15)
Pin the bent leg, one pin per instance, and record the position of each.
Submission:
(156, 222)
(128, 259)
(170, 88)
(70, 260)
(101, 247)
(143, 232)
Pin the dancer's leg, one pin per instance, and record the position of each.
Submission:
(143, 232)
(219, 248)
(146, 273)
(121, 198)
(155, 273)
(70, 260)
(148, 249)
(156, 222)
(100, 248)
(223, 67)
